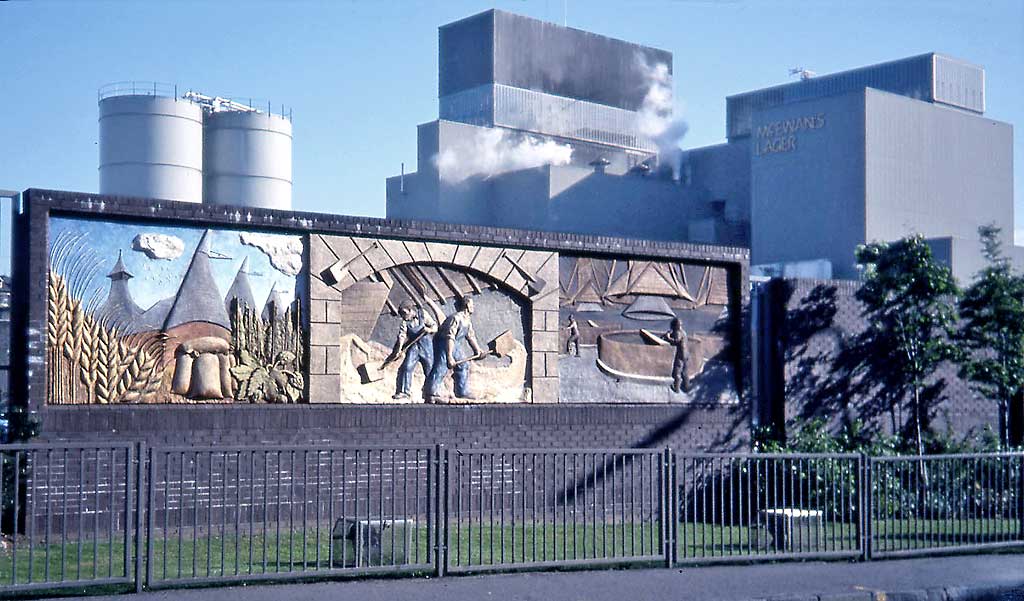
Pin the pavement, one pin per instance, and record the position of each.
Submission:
(960, 578)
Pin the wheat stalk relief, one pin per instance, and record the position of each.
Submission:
(91, 361)
(104, 349)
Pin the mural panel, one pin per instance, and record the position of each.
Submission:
(161, 314)
(143, 313)
(434, 323)
(645, 331)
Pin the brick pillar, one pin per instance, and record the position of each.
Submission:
(544, 328)
(324, 384)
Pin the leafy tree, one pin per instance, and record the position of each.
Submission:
(20, 426)
(992, 329)
(907, 298)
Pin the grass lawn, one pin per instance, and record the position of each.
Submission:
(298, 551)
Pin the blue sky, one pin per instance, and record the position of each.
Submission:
(360, 75)
(157, 279)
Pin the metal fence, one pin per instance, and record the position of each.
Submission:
(269, 512)
(751, 506)
(939, 503)
(124, 514)
(67, 513)
(532, 508)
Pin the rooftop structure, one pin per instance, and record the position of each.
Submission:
(930, 77)
(810, 168)
(498, 69)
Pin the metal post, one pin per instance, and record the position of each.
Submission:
(673, 508)
(666, 506)
(150, 483)
(140, 509)
(867, 508)
(441, 509)
(1020, 495)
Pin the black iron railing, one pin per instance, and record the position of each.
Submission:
(130, 516)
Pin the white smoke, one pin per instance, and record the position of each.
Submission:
(655, 115)
(493, 151)
(284, 252)
(159, 246)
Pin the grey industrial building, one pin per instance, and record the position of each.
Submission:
(809, 170)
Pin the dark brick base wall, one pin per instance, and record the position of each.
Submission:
(627, 426)
(813, 318)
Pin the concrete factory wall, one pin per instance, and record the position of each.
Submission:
(188, 323)
(870, 165)
(937, 171)
(574, 197)
(808, 186)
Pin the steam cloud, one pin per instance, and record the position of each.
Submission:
(159, 246)
(655, 116)
(493, 151)
(284, 252)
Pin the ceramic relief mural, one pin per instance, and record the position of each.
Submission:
(163, 314)
(645, 331)
(394, 321)
(143, 313)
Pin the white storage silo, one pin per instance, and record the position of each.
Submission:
(247, 159)
(151, 143)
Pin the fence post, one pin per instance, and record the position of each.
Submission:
(866, 506)
(150, 484)
(667, 512)
(140, 509)
(673, 507)
(1020, 495)
(440, 509)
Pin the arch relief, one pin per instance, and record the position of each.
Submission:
(357, 285)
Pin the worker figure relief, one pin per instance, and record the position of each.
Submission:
(415, 341)
(449, 354)
(572, 342)
(677, 337)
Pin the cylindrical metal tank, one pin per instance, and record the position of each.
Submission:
(151, 145)
(247, 160)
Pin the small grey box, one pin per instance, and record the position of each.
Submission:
(366, 543)
(793, 530)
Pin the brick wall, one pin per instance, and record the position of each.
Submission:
(550, 426)
(680, 426)
(810, 320)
